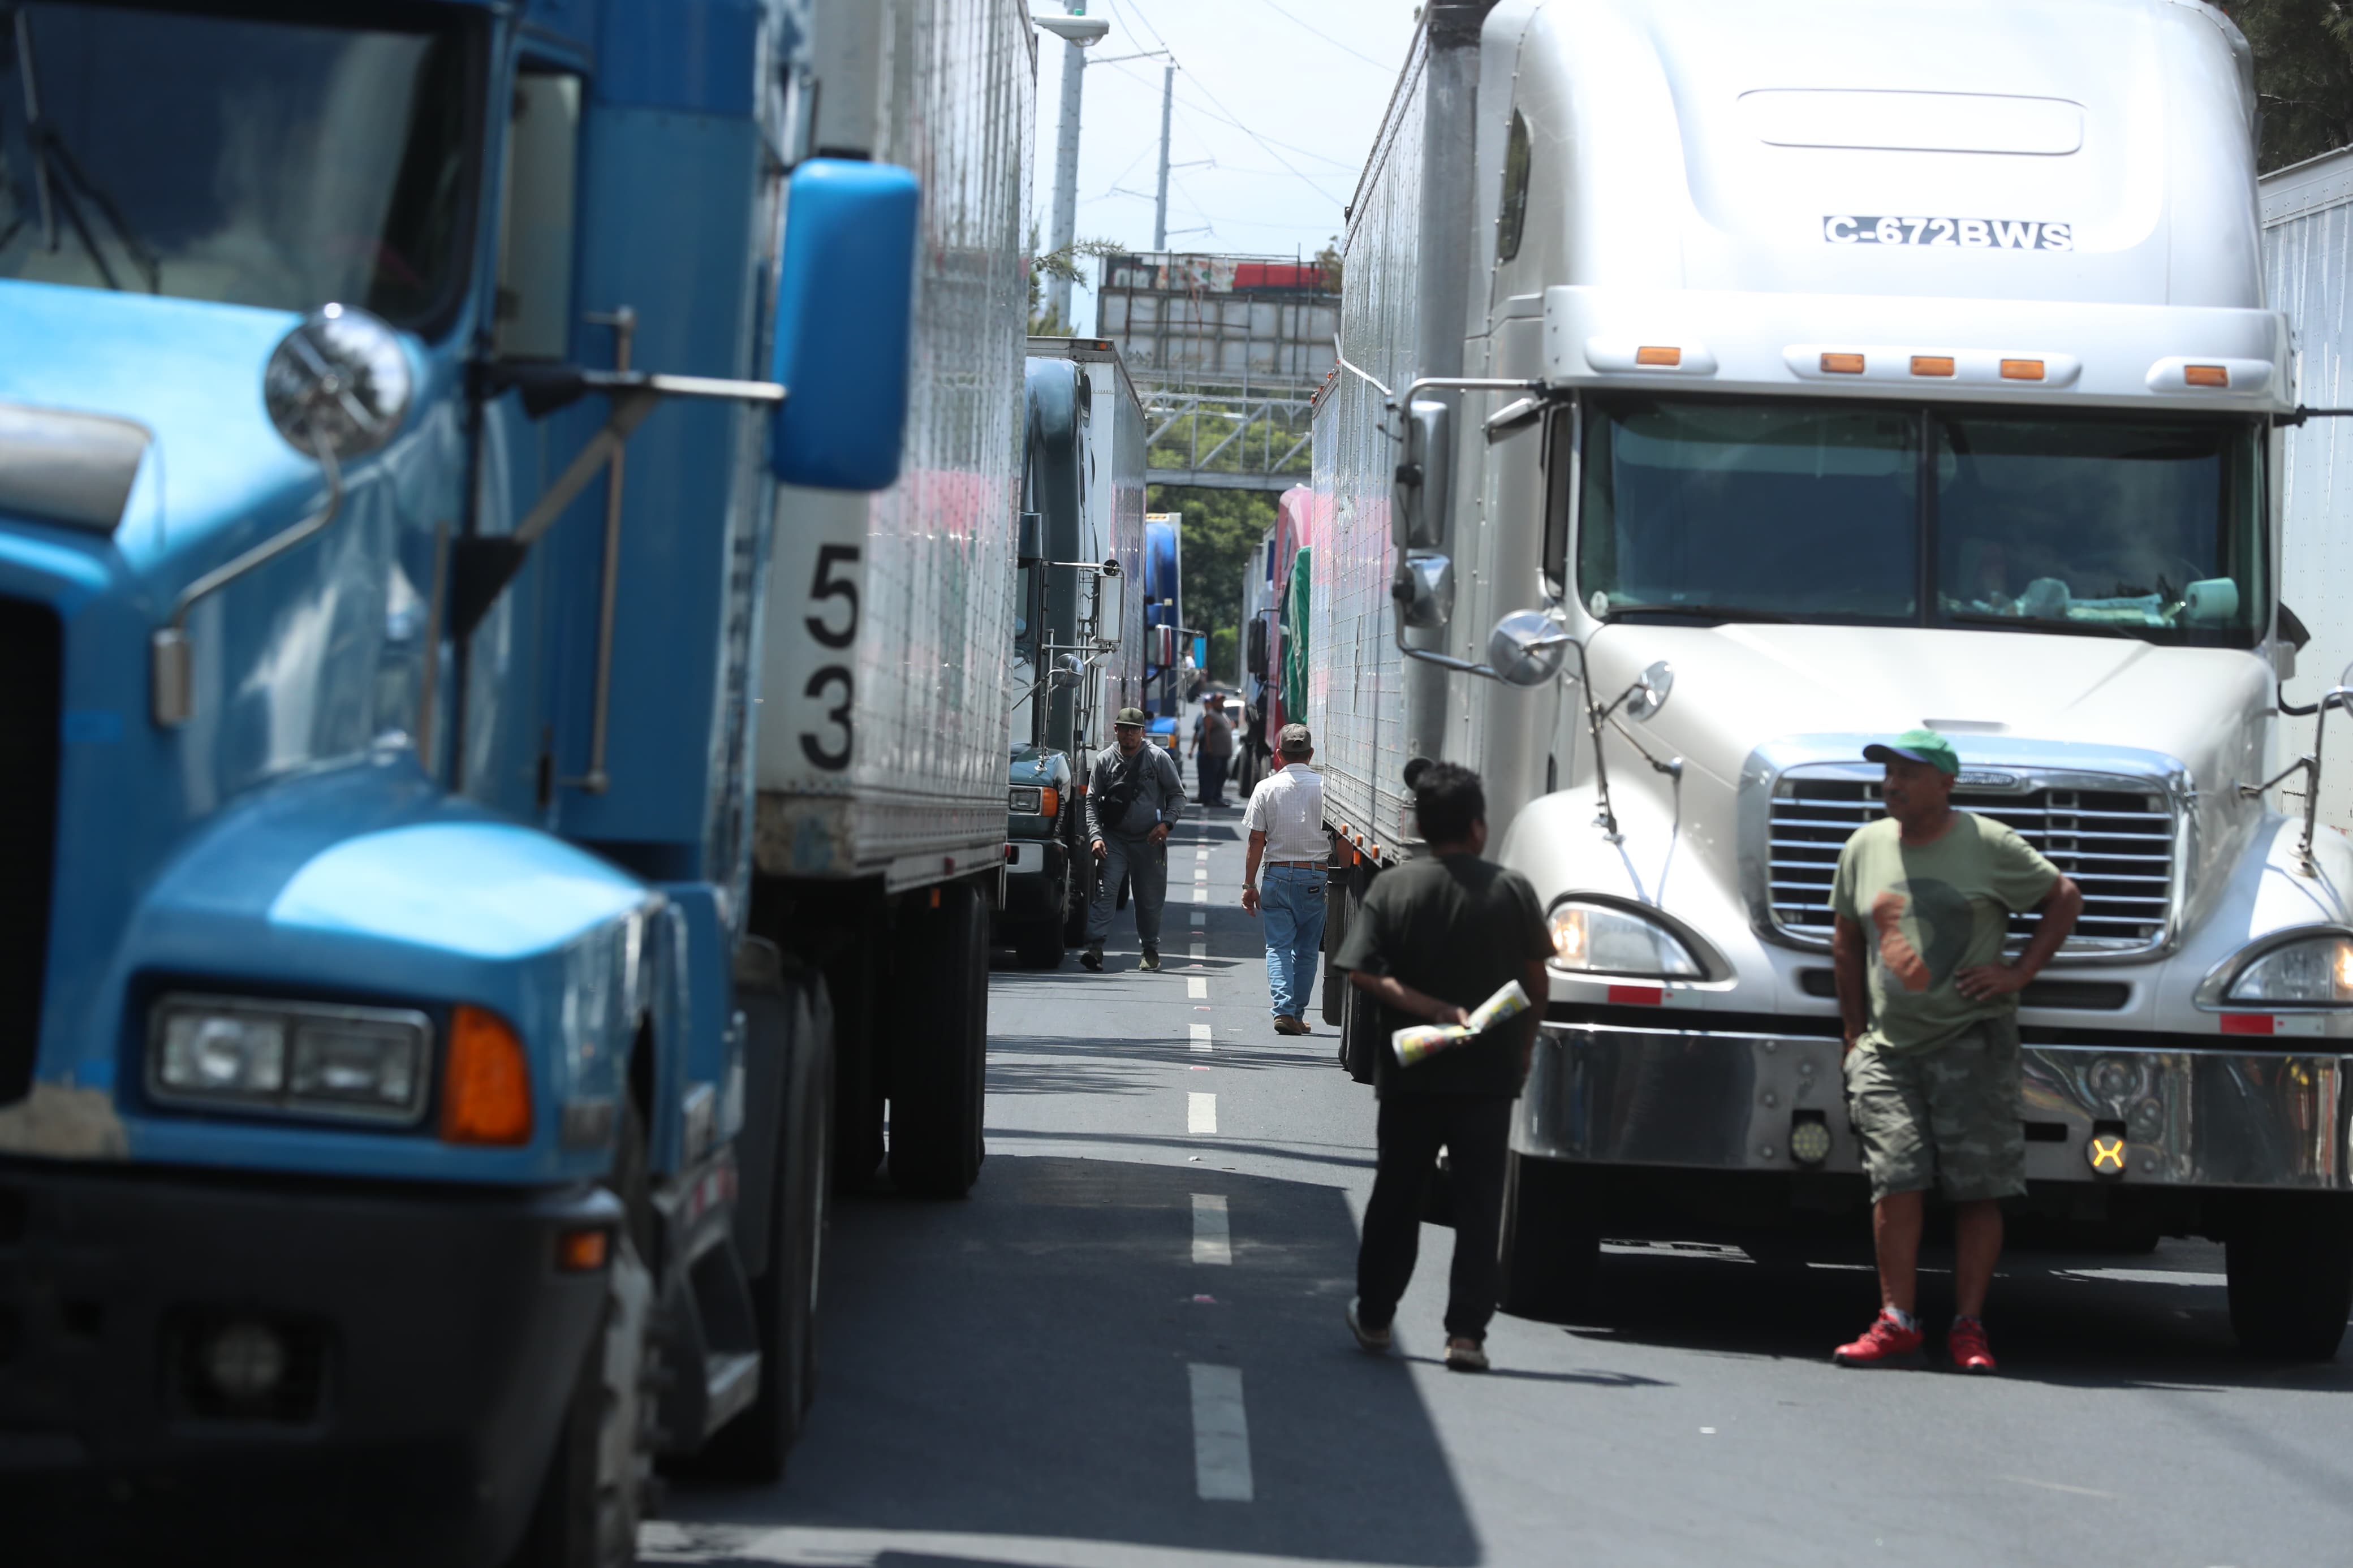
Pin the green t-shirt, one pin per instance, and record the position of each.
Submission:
(1928, 911)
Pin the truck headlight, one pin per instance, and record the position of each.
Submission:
(2317, 972)
(288, 1058)
(1602, 938)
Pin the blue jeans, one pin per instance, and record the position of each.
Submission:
(1291, 901)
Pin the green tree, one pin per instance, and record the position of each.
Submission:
(2304, 75)
(1221, 529)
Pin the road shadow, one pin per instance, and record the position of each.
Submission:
(2075, 1319)
(1017, 1365)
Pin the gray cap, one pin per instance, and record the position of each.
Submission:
(1295, 738)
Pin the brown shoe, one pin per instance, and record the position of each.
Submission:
(1284, 1024)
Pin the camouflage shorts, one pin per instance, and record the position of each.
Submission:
(1946, 1117)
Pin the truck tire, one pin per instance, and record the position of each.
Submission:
(941, 1038)
(1338, 907)
(1038, 944)
(600, 1476)
(1549, 1254)
(2290, 1258)
(752, 1449)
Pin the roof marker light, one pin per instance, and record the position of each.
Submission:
(2021, 370)
(1842, 365)
(2206, 376)
(1659, 356)
(1932, 364)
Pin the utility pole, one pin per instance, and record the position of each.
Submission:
(1160, 207)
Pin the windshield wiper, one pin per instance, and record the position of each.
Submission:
(56, 174)
(2042, 624)
(1700, 611)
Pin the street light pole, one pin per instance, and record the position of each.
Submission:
(1066, 166)
(1160, 207)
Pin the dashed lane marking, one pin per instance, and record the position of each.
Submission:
(1213, 1237)
(1199, 919)
(1198, 950)
(1200, 895)
(1201, 1113)
(1201, 1042)
(1196, 989)
(1221, 1464)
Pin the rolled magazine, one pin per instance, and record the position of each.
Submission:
(1423, 1041)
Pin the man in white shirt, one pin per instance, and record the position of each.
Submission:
(1285, 823)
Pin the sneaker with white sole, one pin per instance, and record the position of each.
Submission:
(1465, 1355)
(1374, 1340)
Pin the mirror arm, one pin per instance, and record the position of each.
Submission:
(171, 672)
(1608, 820)
(483, 565)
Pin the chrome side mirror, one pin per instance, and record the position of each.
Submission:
(1425, 589)
(1527, 648)
(338, 381)
(1650, 693)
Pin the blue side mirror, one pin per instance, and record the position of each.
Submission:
(845, 308)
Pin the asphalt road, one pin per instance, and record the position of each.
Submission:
(1126, 1348)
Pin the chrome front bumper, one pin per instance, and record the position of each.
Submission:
(1609, 1095)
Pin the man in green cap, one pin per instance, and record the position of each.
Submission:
(1923, 899)
(1134, 794)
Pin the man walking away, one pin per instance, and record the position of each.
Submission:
(1133, 797)
(1284, 820)
(1212, 749)
(1433, 939)
(1926, 893)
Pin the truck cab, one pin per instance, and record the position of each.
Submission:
(1724, 454)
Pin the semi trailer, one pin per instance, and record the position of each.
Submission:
(415, 1097)
(1724, 387)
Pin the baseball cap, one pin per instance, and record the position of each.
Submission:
(1131, 718)
(1917, 746)
(1294, 738)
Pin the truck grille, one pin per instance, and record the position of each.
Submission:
(30, 681)
(2117, 844)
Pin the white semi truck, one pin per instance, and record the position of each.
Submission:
(1727, 385)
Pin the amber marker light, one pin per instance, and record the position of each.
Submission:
(486, 1088)
(1665, 358)
(1842, 365)
(583, 1251)
(2021, 370)
(2206, 375)
(1932, 364)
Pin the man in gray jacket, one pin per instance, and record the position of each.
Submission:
(1134, 794)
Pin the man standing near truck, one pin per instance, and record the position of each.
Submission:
(1212, 749)
(1133, 796)
(1284, 820)
(1931, 1084)
(1433, 939)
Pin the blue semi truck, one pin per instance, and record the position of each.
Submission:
(417, 1100)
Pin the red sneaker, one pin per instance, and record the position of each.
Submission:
(1886, 1344)
(1967, 1344)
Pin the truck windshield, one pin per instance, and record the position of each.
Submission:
(250, 160)
(1771, 511)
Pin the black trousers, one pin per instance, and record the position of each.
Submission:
(1211, 771)
(1476, 1131)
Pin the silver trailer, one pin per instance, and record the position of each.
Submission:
(880, 817)
(1727, 385)
(2308, 271)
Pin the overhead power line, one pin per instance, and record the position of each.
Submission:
(1327, 37)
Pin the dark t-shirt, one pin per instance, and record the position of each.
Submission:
(1458, 928)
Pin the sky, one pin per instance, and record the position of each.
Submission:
(1271, 126)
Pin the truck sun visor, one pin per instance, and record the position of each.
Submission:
(73, 469)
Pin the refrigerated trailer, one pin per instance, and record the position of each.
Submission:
(1727, 385)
